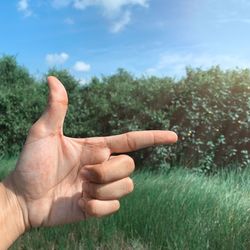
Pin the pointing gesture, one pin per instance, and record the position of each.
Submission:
(60, 180)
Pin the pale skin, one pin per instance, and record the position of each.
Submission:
(59, 180)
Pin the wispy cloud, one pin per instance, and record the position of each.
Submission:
(176, 63)
(110, 6)
(117, 12)
(23, 6)
(81, 66)
(69, 21)
(55, 59)
(121, 23)
(60, 3)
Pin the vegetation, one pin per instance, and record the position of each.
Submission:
(210, 111)
(171, 210)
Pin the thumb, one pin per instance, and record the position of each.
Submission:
(53, 117)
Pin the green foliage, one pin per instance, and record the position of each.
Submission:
(184, 210)
(212, 117)
(21, 103)
(210, 111)
(13, 75)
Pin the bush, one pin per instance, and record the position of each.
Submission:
(21, 103)
(210, 111)
(212, 115)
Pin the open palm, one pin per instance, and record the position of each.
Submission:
(60, 180)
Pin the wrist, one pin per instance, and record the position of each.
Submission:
(12, 223)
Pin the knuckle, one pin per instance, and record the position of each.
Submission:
(130, 142)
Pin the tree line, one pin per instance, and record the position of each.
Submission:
(208, 109)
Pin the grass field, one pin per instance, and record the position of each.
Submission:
(172, 210)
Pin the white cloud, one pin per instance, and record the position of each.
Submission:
(54, 59)
(78, 4)
(109, 6)
(121, 23)
(81, 66)
(23, 6)
(116, 11)
(60, 3)
(175, 64)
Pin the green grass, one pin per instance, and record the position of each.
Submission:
(175, 210)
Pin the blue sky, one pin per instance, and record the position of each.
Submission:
(149, 37)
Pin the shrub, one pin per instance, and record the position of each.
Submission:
(209, 110)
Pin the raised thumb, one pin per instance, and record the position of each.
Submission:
(53, 117)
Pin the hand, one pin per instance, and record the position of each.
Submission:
(60, 180)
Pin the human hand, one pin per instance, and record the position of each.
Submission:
(60, 180)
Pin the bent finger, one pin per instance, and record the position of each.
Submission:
(111, 191)
(98, 208)
(116, 168)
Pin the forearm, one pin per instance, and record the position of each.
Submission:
(11, 218)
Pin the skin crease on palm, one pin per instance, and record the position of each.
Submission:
(60, 180)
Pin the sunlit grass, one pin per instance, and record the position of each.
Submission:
(172, 210)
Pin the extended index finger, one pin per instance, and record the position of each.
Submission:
(132, 141)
